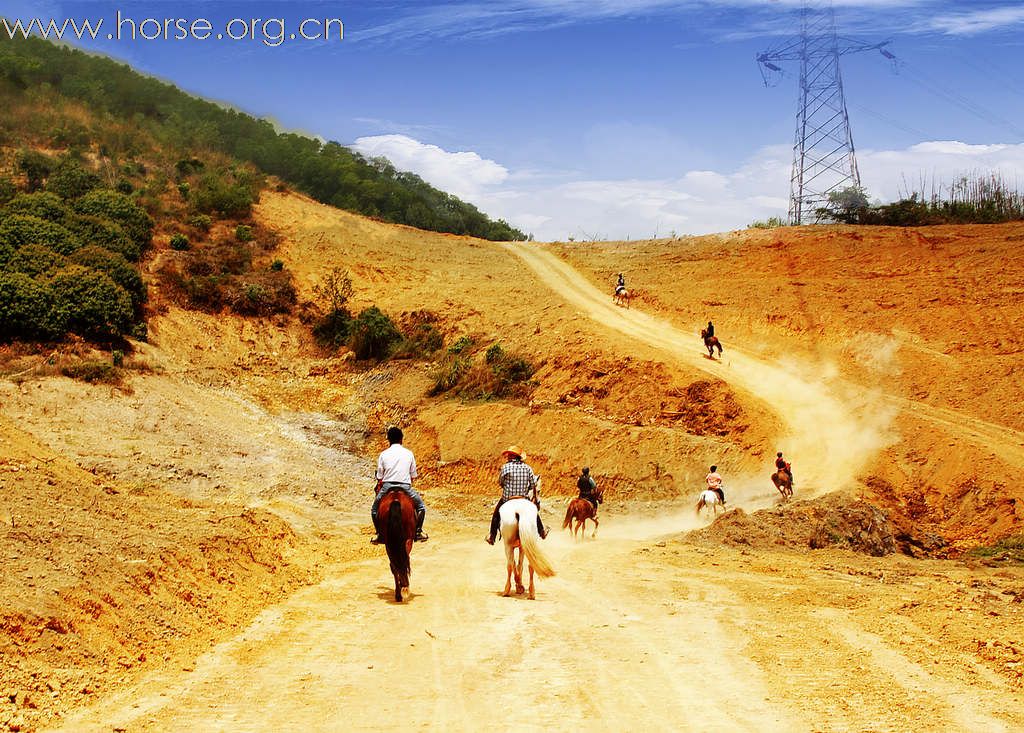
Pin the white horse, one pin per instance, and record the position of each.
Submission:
(621, 297)
(709, 498)
(519, 530)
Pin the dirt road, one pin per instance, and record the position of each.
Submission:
(830, 436)
(632, 634)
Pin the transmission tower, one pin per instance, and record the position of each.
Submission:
(823, 153)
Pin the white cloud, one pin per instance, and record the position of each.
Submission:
(976, 21)
(697, 202)
(464, 174)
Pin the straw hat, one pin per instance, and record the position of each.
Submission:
(513, 450)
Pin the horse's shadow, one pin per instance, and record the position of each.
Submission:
(386, 593)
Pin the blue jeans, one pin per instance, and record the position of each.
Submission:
(417, 500)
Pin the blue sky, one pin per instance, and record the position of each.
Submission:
(605, 118)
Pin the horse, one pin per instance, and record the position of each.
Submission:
(519, 531)
(581, 510)
(621, 297)
(784, 483)
(398, 527)
(710, 343)
(709, 498)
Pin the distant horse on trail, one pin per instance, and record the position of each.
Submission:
(580, 510)
(709, 498)
(711, 343)
(398, 527)
(784, 483)
(519, 532)
(621, 297)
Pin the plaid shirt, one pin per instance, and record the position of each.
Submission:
(517, 480)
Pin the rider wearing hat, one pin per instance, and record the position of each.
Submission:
(714, 482)
(620, 285)
(782, 464)
(517, 481)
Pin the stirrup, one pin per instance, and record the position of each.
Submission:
(420, 537)
(376, 541)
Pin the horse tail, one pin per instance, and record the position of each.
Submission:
(529, 540)
(700, 504)
(398, 552)
(568, 514)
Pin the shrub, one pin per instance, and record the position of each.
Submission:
(263, 294)
(35, 260)
(179, 242)
(21, 229)
(448, 374)
(332, 330)
(772, 222)
(277, 265)
(89, 303)
(243, 233)
(188, 166)
(464, 342)
(117, 357)
(201, 222)
(104, 233)
(36, 168)
(71, 181)
(221, 258)
(124, 186)
(7, 190)
(26, 308)
(114, 266)
(373, 334)
(42, 205)
(495, 354)
(216, 195)
(183, 189)
(335, 289)
(93, 372)
(119, 208)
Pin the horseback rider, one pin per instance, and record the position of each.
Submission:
(781, 464)
(517, 481)
(709, 332)
(714, 482)
(588, 488)
(396, 468)
(620, 286)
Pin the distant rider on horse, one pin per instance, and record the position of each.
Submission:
(620, 286)
(709, 332)
(714, 482)
(588, 488)
(396, 468)
(517, 481)
(782, 464)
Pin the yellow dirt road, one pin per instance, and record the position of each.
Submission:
(631, 635)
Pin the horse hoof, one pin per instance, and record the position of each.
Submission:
(506, 594)
(532, 597)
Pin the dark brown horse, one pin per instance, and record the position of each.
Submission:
(397, 528)
(711, 343)
(784, 483)
(580, 510)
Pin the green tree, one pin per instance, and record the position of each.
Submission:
(89, 303)
(26, 308)
(373, 334)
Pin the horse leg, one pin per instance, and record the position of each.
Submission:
(398, 587)
(595, 527)
(519, 574)
(532, 596)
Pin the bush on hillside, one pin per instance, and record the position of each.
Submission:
(202, 222)
(7, 190)
(89, 303)
(35, 260)
(420, 336)
(263, 294)
(243, 233)
(26, 308)
(332, 330)
(36, 168)
(373, 334)
(42, 205)
(71, 181)
(20, 229)
(179, 243)
(224, 196)
(104, 233)
(121, 209)
(114, 266)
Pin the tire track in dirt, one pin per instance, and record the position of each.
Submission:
(828, 438)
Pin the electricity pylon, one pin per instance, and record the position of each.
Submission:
(824, 160)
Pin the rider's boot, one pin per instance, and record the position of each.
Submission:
(378, 540)
(495, 521)
(540, 528)
(420, 537)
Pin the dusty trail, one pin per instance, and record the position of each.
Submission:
(828, 437)
(625, 638)
(458, 654)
